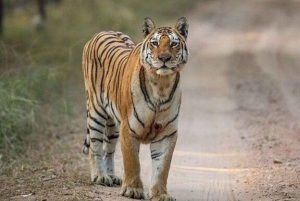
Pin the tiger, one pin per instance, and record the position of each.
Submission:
(133, 93)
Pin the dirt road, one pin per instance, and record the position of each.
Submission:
(239, 125)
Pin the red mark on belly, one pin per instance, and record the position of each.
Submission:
(157, 128)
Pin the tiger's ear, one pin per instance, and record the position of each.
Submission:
(148, 26)
(182, 26)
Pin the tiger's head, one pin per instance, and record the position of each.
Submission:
(164, 49)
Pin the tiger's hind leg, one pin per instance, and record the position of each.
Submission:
(110, 142)
(96, 129)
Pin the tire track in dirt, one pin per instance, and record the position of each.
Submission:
(264, 120)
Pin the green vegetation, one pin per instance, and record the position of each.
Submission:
(40, 72)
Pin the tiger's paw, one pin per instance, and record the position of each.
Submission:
(135, 193)
(163, 197)
(116, 180)
(102, 179)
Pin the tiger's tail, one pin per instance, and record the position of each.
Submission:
(86, 144)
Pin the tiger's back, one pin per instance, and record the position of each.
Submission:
(104, 59)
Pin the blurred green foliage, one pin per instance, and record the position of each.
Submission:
(40, 71)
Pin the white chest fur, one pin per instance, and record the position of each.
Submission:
(156, 101)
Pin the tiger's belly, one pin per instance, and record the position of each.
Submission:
(144, 123)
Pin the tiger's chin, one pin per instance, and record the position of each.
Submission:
(164, 71)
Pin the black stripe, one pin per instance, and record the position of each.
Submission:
(96, 121)
(115, 66)
(132, 129)
(112, 50)
(122, 64)
(95, 129)
(144, 89)
(124, 58)
(185, 48)
(110, 153)
(173, 90)
(92, 49)
(102, 85)
(116, 80)
(111, 137)
(143, 49)
(110, 125)
(119, 54)
(102, 58)
(165, 109)
(155, 156)
(136, 114)
(176, 116)
(114, 42)
(107, 51)
(125, 39)
(113, 111)
(165, 137)
(97, 53)
(96, 139)
(98, 112)
(123, 52)
(93, 80)
(117, 84)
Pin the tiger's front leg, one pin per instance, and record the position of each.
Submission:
(161, 153)
(132, 185)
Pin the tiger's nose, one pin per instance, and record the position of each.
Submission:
(164, 57)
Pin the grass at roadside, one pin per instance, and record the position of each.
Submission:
(40, 72)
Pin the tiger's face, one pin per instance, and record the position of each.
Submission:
(164, 49)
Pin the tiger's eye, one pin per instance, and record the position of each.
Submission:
(154, 43)
(174, 44)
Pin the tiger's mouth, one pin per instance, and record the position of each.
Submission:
(164, 67)
(164, 70)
